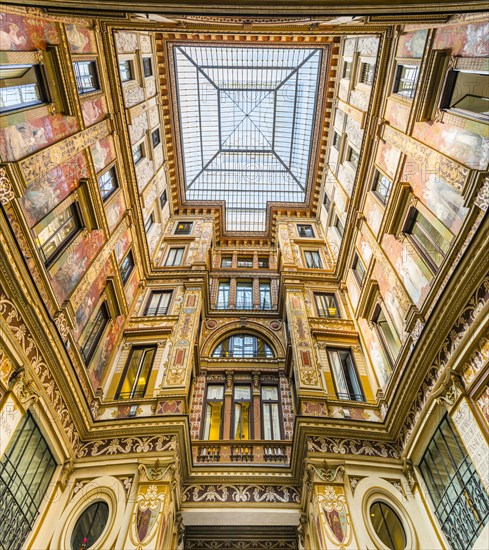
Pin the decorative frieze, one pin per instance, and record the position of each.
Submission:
(241, 494)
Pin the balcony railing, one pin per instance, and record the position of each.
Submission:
(258, 354)
(330, 312)
(154, 311)
(233, 452)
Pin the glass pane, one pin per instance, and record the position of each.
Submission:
(388, 526)
(242, 392)
(269, 393)
(215, 391)
(90, 525)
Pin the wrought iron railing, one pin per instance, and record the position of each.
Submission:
(227, 452)
(14, 524)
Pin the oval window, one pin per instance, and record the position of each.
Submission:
(388, 526)
(90, 525)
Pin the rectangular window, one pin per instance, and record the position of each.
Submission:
(270, 413)
(94, 331)
(175, 256)
(137, 153)
(107, 183)
(26, 470)
(244, 296)
(163, 199)
(136, 374)
(382, 187)
(346, 70)
(336, 140)
(431, 244)
(223, 295)
(125, 70)
(305, 231)
(313, 259)
(183, 228)
(241, 427)
(148, 224)
(158, 303)
(347, 382)
(367, 71)
(387, 335)
(21, 86)
(460, 500)
(245, 261)
(213, 412)
(406, 79)
(155, 138)
(226, 261)
(327, 202)
(147, 67)
(59, 233)
(86, 76)
(265, 296)
(352, 156)
(339, 225)
(326, 305)
(467, 94)
(126, 268)
(263, 262)
(358, 269)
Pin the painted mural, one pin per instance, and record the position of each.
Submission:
(103, 153)
(333, 516)
(131, 288)
(114, 210)
(466, 41)
(81, 39)
(397, 113)
(25, 138)
(102, 355)
(25, 33)
(48, 190)
(387, 158)
(122, 245)
(373, 213)
(76, 264)
(483, 404)
(93, 110)
(377, 357)
(412, 44)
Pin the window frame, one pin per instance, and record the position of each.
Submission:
(225, 304)
(318, 295)
(350, 396)
(128, 74)
(157, 312)
(409, 93)
(163, 199)
(147, 58)
(40, 84)
(390, 354)
(113, 178)
(263, 262)
(225, 259)
(97, 330)
(95, 75)
(378, 178)
(279, 408)
(303, 229)
(148, 224)
(229, 353)
(359, 278)
(124, 272)
(146, 348)
(309, 254)
(268, 302)
(181, 257)
(155, 141)
(248, 286)
(207, 401)
(244, 260)
(183, 228)
(250, 411)
(138, 147)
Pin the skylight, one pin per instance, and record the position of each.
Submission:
(246, 121)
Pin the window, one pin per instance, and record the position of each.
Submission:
(431, 244)
(147, 67)
(346, 70)
(461, 503)
(59, 233)
(241, 427)
(223, 295)
(136, 374)
(326, 305)
(175, 256)
(327, 202)
(26, 469)
(86, 76)
(382, 187)
(125, 70)
(183, 228)
(367, 71)
(163, 199)
(213, 412)
(263, 262)
(405, 82)
(107, 183)
(305, 231)
(155, 138)
(336, 140)
(313, 260)
(226, 261)
(387, 526)
(148, 224)
(137, 153)
(245, 261)
(265, 296)
(352, 156)
(339, 225)
(21, 86)
(243, 345)
(158, 303)
(345, 375)
(90, 525)
(94, 331)
(126, 268)
(358, 269)
(244, 296)
(466, 94)
(270, 413)
(387, 334)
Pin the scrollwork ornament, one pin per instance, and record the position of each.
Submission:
(62, 325)
(6, 190)
(482, 198)
(408, 472)
(450, 390)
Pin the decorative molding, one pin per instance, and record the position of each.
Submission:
(241, 493)
(6, 189)
(126, 445)
(316, 444)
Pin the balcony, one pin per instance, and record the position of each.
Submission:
(236, 452)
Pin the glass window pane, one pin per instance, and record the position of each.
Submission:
(90, 525)
(388, 526)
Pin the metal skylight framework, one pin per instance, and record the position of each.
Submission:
(246, 121)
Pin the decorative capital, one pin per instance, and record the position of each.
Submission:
(23, 388)
(409, 473)
(450, 390)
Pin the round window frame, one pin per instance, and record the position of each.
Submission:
(80, 514)
(376, 494)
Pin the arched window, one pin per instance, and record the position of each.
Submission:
(90, 525)
(243, 345)
(387, 525)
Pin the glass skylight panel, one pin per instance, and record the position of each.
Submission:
(246, 120)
